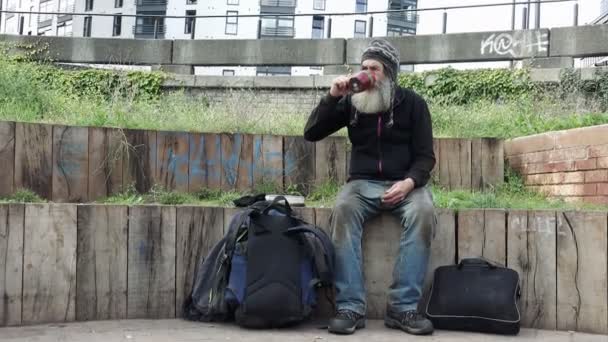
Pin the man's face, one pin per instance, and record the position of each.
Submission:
(375, 67)
(378, 98)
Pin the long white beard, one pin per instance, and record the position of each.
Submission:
(374, 100)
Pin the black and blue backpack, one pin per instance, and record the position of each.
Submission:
(266, 272)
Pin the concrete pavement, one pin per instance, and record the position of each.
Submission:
(179, 330)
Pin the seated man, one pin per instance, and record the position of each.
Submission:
(391, 159)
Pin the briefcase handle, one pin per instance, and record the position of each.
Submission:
(477, 261)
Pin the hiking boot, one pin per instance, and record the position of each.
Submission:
(409, 321)
(346, 322)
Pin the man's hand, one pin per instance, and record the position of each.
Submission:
(398, 192)
(339, 86)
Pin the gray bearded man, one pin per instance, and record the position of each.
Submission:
(392, 156)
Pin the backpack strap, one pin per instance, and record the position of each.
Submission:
(233, 230)
(328, 249)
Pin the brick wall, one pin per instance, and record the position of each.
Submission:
(570, 164)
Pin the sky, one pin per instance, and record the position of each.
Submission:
(497, 18)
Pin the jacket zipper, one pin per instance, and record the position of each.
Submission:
(379, 143)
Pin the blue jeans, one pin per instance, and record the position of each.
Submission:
(360, 200)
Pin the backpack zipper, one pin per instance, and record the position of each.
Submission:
(379, 131)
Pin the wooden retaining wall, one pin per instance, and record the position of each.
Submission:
(81, 164)
(66, 262)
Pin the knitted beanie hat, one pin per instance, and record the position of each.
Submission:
(385, 53)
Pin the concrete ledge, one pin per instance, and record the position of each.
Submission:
(98, 50)
(462, 47)
(579, 41)
(303, 52)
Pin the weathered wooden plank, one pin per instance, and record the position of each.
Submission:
(198, 230)
(268, 162)
(11, 263)
(173, 159)
(436, 172)
(322, 218)
(151, 262)
(258, 163)
(101, 266)
(306, 214)
(49, 260)
(70, 164)
(205, 162)
(139, 163)
(106, 152)
(299, 159)
(34, 158)
(237, 161)
(443, 249)
(482, 233)
(492, 162)
(455, 165)
(476, 164)
(531, 252)
(330, 160)
(445, 150)
(7, 157)
(213, 161)
(582, 300)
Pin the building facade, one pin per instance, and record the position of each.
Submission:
(271, 25)
(37, 25)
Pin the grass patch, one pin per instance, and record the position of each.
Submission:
(24, 97)
(22, 196)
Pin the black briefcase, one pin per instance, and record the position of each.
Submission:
(475, 295)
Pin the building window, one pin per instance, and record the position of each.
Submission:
(277, 26)
(318, 23)
(87, 26)
(47, 6)
(117, 27)
(398, 31)
(232, 22)
(118, 3)
(88, 5)
(233, 2)
(361, 6)
(319, 5)
(145, 26)
(189, 21)
(227, 72)
(190, 2)
(65, 29)
(360, 26)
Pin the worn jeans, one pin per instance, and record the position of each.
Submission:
(360, 200)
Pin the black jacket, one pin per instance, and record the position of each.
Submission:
(379, 152)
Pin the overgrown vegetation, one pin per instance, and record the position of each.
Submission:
(22, 196)
(475, 103)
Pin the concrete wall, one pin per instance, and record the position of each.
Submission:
(571, 164)
(117, 262)
(464, 47)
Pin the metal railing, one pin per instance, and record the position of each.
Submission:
(407, 17)
(150, 2)
(152, 30)
(279, 3)
(278, 31)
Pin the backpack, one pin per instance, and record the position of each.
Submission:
(265, 272)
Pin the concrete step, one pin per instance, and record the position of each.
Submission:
(180, 330)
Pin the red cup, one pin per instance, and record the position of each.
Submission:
(362, 81)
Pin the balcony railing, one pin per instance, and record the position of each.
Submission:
(278, 31)
(278, 3)
(150, 2)
(148, 30)
(410, 18)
